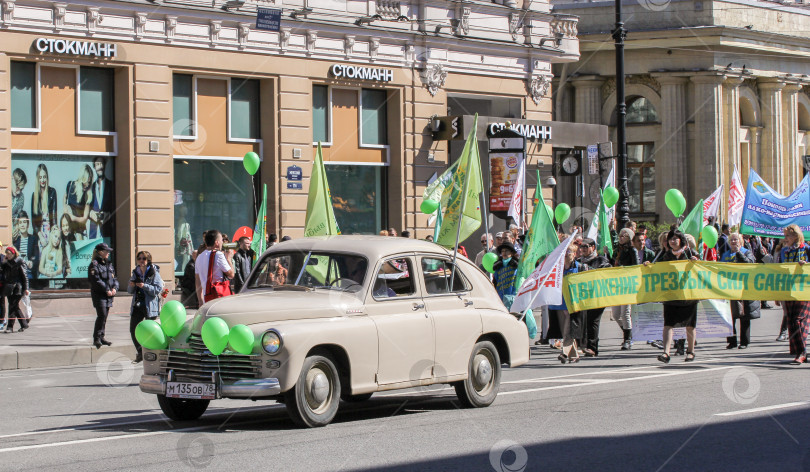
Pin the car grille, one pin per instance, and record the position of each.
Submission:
(197, 364)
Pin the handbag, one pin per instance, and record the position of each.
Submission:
(25, 307)
(214, 290)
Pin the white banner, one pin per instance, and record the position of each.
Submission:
(711, 205)
(544, 285)
(713, 321)
(736, 199)
(516, 204)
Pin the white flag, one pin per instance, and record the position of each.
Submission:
(593, 230)
(544, 286)
(516, 205)
(711, 205)
(736, 199)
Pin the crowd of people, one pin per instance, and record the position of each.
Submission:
(577, 333)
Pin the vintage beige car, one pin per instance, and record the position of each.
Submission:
(339, 318)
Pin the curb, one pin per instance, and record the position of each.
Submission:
(59, 357)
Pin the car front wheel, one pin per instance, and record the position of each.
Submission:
(180, 409)
(483, 377)
(315, 398)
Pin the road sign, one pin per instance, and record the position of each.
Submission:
(268, 19)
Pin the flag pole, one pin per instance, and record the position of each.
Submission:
(543, 283)
(464, 188)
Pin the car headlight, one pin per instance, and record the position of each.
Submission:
(271, 342)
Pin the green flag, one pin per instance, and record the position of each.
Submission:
(693, 222)
(462, 213)
(540, 240)
(438, 226)
(259, 231)
(603, 239)
(435, 190)
(320, 219)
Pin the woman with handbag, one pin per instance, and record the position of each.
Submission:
(743, 310)
(145, 286)
(213, 269)
(15, 287)
(678, 313)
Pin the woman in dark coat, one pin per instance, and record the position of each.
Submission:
(145, 286)
(743, 310)
(14, 287)
(562, 323)
(103, 287)
(678, 313)
(797, 312)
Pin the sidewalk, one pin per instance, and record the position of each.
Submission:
(64, 336)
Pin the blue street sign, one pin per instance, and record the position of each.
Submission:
(268, 19)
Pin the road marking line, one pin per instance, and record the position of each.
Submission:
(602, 372)
(106, 438)
(611, 381)
(764, 408)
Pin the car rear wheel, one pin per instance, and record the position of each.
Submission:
(315, 398)
(180, 409)
(483, 377)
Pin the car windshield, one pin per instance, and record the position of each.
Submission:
(301, 270)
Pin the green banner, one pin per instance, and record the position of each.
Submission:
(685, 280)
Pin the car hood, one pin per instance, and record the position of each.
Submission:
(262, 306)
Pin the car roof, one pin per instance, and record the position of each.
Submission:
(372, 246)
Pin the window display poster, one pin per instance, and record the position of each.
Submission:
(503, 171)
(61, 207)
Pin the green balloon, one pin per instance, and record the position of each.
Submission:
(241, 339)
(150, 335)
(611, 196)
(709, 236)
(429, 206)
(562, 212)
(675, 202)
(172, 318)
(251, 162)
(550, 212)
(488, 261)
(215, 335)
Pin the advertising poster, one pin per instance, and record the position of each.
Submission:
(767, 213)
(62, 206)
(503, 171)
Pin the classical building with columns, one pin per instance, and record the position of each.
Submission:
(710, 85)
(127, 121)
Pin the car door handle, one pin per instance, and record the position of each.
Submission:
(468, 302)
(418, 306)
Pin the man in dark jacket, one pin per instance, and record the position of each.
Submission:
(589, 256)
(243, 262)
(188, 296)
(103, 287)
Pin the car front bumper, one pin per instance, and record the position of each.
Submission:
(245, 388)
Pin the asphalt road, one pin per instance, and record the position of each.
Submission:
(730, 410)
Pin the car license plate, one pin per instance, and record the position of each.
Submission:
(198, 391)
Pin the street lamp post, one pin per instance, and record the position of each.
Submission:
(623, 206)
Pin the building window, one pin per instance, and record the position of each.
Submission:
(96, 100)
(374, 118)
(208, 191)
(244, 114)
(55, 226)
(641, 177)
(357, 197)
(320, 114)
(23, 95)
(183, 104)
(641, 110)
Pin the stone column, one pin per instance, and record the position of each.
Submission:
(588, 99)
(792, 171)
(706, 166)
(671, 169)
(731, 102)
(770, 154)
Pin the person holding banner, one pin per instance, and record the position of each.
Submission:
(743, 310)
(505, 270)
(562, 323)
(590, 257)
(798, 312)
(678, 313)
(626, 255)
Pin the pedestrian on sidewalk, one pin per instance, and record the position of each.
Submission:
(15, 285)
(243, 263)
(145, 286)
(188, 284)
(221, 268)
(103, 287)
(798, 312)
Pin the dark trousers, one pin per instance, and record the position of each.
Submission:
(102, 310)
(745, 331)
(135, 317)
(593, 319)
(2, 308)
(14, 312)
